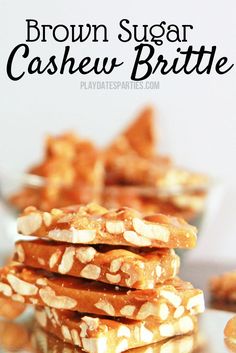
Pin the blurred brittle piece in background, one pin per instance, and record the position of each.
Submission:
(10, 309)
(14, 337)
(128, 172)
(223, 287)
(147, 181)
(138, 139)
(72, 172)
(185, 206)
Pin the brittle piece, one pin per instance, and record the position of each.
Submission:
(223, 287)
(135, 170)
(138, 138)
(147, 200)
(44, 342)
(70, 160)
(72, 172)
(14, 337)
(131, 156)
(93, 224)
(133, 268)
(129, 169)
(101, 335)
(10, 309)
(174, 298)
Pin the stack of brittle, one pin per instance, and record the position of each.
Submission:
(129, 172)
(104, 280)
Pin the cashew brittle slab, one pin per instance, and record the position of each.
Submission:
(44, 342)
(174, 298)
(101, 335)
(133, 268)
(93, 224)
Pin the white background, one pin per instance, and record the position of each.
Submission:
(196, 114)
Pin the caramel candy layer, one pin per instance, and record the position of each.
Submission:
(173, 298)
(44, 342)
(132, 268)
(93, 224)
(101, 335)
(157, 172)
(223, 287)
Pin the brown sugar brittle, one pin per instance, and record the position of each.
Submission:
(148, 201)
(135, 170)
(72, 172)
(105, 335)
(75, 171)
(158, 172)
(69, 159)
(93, 224)
(139, 138)
(173, 298)
(131, 158)
(10, 309)
(104, 279)
(43, 341)
(133, 268)
(223, 287)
